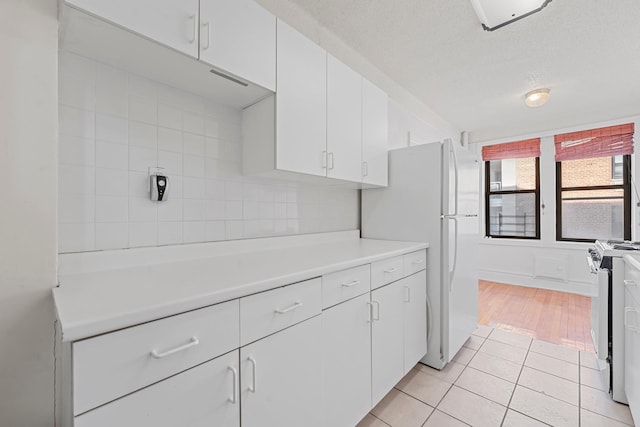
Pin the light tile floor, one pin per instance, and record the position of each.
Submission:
(502, 379)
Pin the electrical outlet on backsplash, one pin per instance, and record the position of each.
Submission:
(114, 126)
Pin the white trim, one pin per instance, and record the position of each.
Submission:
(526, 280)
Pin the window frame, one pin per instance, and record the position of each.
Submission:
(625, 186)
(488, 193)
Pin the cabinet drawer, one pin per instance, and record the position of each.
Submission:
(268, 312)
(414, 262)
(112, 365)
(202, 396)
(386, 271)
(343, 285)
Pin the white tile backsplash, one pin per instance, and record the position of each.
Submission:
(114, 126)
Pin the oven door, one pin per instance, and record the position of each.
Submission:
(600, 309)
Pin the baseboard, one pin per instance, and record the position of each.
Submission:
(578, 288)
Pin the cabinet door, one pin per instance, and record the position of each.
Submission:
(171, 22)
(206, 395)
(375, 134)
(281, 378)
(415, 319)
(344, 121)
(346, 365)
(632, 353)
(387, 355)
(239, 36)
(301, 103)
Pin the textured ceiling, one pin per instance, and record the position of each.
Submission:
(586, 51)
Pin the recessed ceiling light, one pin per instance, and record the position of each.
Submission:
(537, 97)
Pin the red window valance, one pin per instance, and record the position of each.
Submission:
(603, 142)
(512, 150)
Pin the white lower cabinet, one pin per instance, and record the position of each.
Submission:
(387, 339)
(281, 378)
(346, 362)
(206, 395)
(632, 350)
(274, 358)
(415, 319)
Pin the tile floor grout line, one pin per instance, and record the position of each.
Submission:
(516, 385)
(380, 419)
(579, 391)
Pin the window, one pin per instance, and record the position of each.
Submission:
(512, 195)
(593, 193)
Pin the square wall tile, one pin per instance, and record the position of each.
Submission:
(111, 182)
(76, 180)
(170, 233)
(143, 110)
(111, 91)
(76, 122)
(111, 156)
(143, 135)
(112, 235)
(76, 237)
(112, 209)
(112, 129)
(193, 210)
(233, 230)
(142, 234)
(142, 210)
(169, 140)
(194, 232)
(73, 150)
(169, 117)
(170, 210)
(76, 209)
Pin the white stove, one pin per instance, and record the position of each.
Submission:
(606, 261)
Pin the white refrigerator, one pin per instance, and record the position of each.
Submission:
(433, 197)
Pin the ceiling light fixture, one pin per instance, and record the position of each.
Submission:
(537, 97)
(494, 14)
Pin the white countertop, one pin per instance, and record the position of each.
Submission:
(93, 302)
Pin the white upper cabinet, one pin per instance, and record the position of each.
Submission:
(239, 36)
(171, 22)
(375, 134)
(344, 119)
(301, 103)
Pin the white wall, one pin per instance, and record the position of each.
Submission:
(28, 151)
(546, 263)
(115, 125)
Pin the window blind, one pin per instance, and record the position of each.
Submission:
(512, 150)
(602, 142)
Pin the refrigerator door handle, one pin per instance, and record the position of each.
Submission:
(452, 272)
(452, 152)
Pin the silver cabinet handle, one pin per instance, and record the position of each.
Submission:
(418, 261)
(193, 19)
(324, 159)
(365, 169)
(628, 310)
(349, 285)
(292, 307)
(252, 387)
(630, 282)
(408, 294)
(234, 397)
(331, 160)
(391, 270)
(207, 25)
(377, 315)
(160, 354)
(369, 312)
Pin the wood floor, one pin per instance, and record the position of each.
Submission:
(552, 316)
